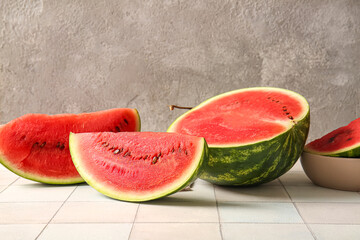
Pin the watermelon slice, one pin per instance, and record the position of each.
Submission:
(342, 142)
(35, 146)
(137, 166)
(254, 135)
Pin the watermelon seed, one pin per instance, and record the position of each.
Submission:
(117, 129)
(332, 139)
(290, 117)
(121, 149)
(269, 98)
(111, 148)
(186, 152)
(35, 144)
(43, 144)
(127, 154)
(287, 113)
(126, 121)
(62, 146)
(105, 144)
(145, 157)
(173, 150)
(159, 155)
(58, 144)
(154, 160)
(348, 139)
(116, 151)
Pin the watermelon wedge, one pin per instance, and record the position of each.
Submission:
(137, 167)
(254, 135)
(342, 142)
(36, 146)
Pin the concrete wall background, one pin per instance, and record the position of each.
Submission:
(77, 56)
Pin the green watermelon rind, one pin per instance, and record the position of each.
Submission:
(200, 157)
(45, 180)
(254, 163)
(349, 152)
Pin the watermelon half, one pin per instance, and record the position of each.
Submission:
(254, 135)
(137, 166)
(342, 142)
(36, 146)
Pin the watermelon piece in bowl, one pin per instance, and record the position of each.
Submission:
(36, 146)
(342, 142)
(137, 166)
(254, 135)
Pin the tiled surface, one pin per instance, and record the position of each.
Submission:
(235, 231)
(83, 231)
(288, 208)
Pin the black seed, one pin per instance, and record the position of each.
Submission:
(121, 149)
(287, 113)
(112, 148)
(269, 98)
(154, 160)
(173, 150)
(332, 139)
(284, 106)
(159, 155)
(284, 109)
(116, 151)
(126, 121)
(291, 117)
(186, 152)
(58, 144)
(117, 129)
(348, 139)
(43, 144)
(62, 146)
(277, 101)
(146, 156)
(35, 144)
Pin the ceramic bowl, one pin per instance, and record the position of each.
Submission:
(332, 172)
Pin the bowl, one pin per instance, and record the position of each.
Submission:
(332, 172)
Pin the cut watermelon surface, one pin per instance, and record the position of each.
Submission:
(254, 134)
(137, 166)
(342, 142)
(35, 146)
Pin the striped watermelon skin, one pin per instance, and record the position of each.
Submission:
(257, 163)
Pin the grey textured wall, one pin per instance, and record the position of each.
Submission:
(77, 56)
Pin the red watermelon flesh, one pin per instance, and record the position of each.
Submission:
(137, 166)
(342, 142)
(243, 116)
(35, 146)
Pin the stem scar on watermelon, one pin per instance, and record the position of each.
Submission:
(254, 135)
(342, 142)
(137, 167)
(36, 146)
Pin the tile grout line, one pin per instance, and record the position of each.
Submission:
(294, 204)
(10, 185)
(218, 212)
(133, 223)
(56, 213)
